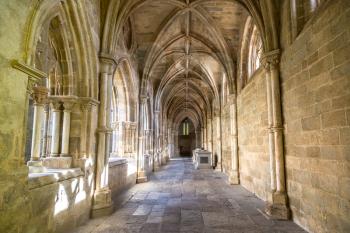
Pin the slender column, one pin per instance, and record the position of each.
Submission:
(218, 142)
(56, 128)
(205, 140)
(66, 128)
(39, 97)
(234, 174)
(102, 203)
(85, 107)
(157, 163)
(277, 203)
(44, 152)
(141, 174)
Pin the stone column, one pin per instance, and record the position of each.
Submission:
(156, 152)
(217, 121)
(141, 173)
(234, 173)
(56, 128)
(45, 152)
(39, 96)
(86, 108)
(102, 202)
(278, 201)
(68, 105)
(205, 140)
(175, 136)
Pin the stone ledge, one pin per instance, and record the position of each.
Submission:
(116, 161)
(50, 176)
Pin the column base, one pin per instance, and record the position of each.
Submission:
(35, 166)
(102, 204)
(233, 178)
(278, 209)
(164, 161)
(218, 167)
(156, 167)
(141, 177)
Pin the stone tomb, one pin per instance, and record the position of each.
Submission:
(202, 159)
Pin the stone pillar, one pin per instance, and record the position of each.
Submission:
(56, 128)
(141, 173)
(198, 133)
(234, 173)
(156, 152)
(278, 201)
(45, 152)
(86, 106)
(102, 202)
(217, 121)
(68, 105)
(39, 96)
(204, 142)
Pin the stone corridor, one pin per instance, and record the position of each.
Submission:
(181, 199)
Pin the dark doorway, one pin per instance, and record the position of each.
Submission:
(187, 138)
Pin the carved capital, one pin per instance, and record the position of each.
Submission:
(271, 60)
(55, 105)
(39, 95)
(68, 106)
(107, 63)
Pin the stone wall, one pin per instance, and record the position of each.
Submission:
(59, 201)
(121, 176)
(13, 171)
(316, 108)
(227, 142)
(253, 137)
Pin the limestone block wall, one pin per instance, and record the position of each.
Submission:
(58, 206)
(120, 178)
(253, 137)
(316, 108)
(227, 140)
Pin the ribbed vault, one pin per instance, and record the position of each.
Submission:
(184, 50)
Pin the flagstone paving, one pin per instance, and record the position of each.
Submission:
(179, 198)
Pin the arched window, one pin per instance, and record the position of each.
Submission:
(255, 52)
(185, 128)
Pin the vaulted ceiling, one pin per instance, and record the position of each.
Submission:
(185, 49)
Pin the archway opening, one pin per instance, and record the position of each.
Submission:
(187, 138)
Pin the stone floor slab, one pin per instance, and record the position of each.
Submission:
(180, 199)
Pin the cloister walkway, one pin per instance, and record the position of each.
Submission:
(181, 199)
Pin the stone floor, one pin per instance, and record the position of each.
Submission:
(181, 199)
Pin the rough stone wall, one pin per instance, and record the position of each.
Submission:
(316, 108)
(253, 137)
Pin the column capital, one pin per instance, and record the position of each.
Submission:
(86, 103)
(271, 59)
(107, 63)
(55, 105)
(40, 95)
(143, 98)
